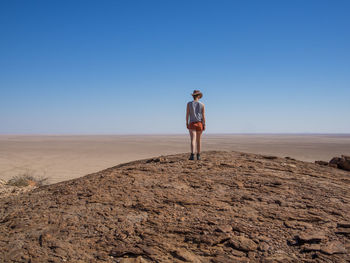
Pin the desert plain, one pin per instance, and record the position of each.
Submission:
(64, 157)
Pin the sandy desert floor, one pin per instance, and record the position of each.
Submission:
(61, 158)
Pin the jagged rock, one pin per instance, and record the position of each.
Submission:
(224, 228)
(342, 162)
(176, 210)
(311, 247)
(335, 160)
(334, 247)
(237, 253)
(311, 237)
(297, 224)
(242, 243)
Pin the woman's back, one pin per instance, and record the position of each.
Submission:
(195, 110)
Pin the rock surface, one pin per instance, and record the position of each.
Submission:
(229, 207)
(342, 162)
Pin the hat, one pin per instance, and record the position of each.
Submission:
(197, 92)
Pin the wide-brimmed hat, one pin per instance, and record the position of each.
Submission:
(197, 92)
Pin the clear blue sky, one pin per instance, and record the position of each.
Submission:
(116, 67)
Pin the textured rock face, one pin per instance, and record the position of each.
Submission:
(229, 207)
(342, 162)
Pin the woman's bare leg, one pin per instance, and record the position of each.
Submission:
(198, 140)
(193, 139)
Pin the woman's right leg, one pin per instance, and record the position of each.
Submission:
(193, 140)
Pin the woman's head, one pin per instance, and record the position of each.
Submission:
(197, 94)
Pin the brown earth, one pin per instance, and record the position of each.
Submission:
(229, 207)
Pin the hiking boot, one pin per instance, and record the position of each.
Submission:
(198, 156)
(191, 157)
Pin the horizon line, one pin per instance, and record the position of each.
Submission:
(153, 134)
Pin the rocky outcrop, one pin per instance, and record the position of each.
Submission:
(342, 162)
(228, 207)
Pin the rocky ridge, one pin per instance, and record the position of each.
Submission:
(229, 207)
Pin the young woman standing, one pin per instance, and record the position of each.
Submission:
(195, 122)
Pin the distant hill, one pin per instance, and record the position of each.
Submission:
(229, 207)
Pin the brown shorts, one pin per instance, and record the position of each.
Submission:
(198, 126)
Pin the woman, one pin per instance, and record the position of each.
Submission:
(195, 122)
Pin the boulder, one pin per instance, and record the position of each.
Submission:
(335, 160)
(342, 162)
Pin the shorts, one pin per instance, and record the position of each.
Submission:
(198, 126)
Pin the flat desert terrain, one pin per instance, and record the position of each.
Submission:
(61, 158)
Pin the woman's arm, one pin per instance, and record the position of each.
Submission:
(203, 118)
(187, 115)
